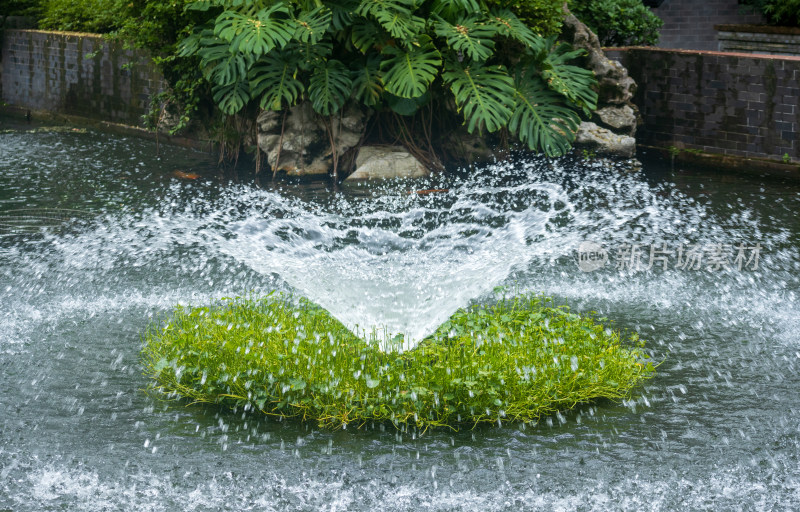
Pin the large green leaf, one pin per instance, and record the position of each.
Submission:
(342, 13)
(471, 36)
(219, 64)
(575, 83)
(512, 27)
(232, 97)
(329, 87)
(409, 72)
(311, 54)
(485, 94)
(541, 118)
(273, 78)
(455, 8)
(395, 16)
(269, 28)
(366, 34)
(190, 45)
(367, 83)
(312, 25)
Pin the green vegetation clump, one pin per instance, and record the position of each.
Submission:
(95, 16)
(407, 57)
(618, 22)
(423, 66)
(777, 12)
(515, 360)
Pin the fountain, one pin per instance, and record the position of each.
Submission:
(716, 429)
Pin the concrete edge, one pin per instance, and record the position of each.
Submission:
(117, 128)
(736, 164)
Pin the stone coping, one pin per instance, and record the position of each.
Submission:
(611, 49)
(59, 33)
(759, 29)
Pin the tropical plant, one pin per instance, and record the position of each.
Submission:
(393, 55)
(618, 22)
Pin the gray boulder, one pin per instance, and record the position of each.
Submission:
(614, 127)
(605, 142)
(621, 119)
(383, 162)
(299, 144)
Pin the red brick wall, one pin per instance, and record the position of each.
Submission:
(734, 104)
(689, 24)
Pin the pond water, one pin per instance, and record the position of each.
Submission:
(99, 236)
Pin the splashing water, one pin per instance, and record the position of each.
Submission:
(400, 263)
(77, 433)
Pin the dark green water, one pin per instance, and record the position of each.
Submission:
(717, 429)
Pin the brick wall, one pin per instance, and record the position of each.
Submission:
(77, 74)
(689, 24)
(741, 105)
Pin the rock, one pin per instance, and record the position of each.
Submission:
(615, 87)
(621, 119)
(382, 162)
(301, 141)
(604, 141)
(466, 148)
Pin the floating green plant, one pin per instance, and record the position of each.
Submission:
(511, 361)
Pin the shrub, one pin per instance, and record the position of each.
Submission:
(542, 16)
(515, 360)
(95, 16)
(618, 22)
(778, 12)
(30, 8)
